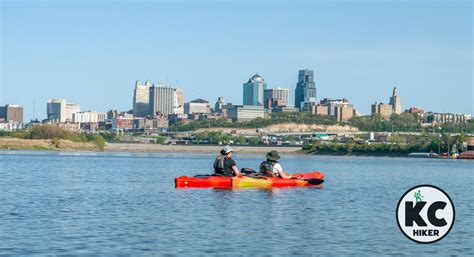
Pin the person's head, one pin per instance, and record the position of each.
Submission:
(273, 156)
(227, 150)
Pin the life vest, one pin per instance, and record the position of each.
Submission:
(219, 166)
(266, 169)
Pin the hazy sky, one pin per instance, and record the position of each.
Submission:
(91, 52)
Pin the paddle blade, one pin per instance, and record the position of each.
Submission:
(315, 181)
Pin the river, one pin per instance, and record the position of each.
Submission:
(125, 203)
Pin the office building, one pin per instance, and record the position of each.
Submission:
(178, 104)
(305, 88)
(141, 99)
(245, 112)
(197, 106)
(60, 110)
(322, 110)
(440, 118)
(162, 99)
(89, 116)
(384, 110)
(219, 104)
(254, 91)
(333, 103)
(343, 113)
(11, 113)
(275, 97)
(395, 102)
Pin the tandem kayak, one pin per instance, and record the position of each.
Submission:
(246, 182)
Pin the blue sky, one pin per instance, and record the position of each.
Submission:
(91, 52)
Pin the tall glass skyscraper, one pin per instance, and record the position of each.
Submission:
(305, 88)
(254, 91)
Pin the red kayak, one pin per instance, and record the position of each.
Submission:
(228, 182)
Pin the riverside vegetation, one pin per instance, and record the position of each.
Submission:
(56, 138)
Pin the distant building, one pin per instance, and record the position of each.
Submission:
(219, 104)
(333, 103)
(122, 124)
(275, 97)
(285, 109)
(254, 91)
(305, 88)
(197, 106)
(10, 126)
(322, 110)
(11, 113)
(89, 116)
(162, 99)
(396, 102)
(178, 104)
(384, 110)
(60, 110)
(343, 113)
(414, 110)
(245, 112)
(141, 99)
(440, 118)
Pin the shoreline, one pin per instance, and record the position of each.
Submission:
(131, 147)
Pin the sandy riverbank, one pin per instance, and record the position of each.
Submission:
(7, 143)
(124, 147)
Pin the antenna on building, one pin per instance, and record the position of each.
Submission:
(34, 110)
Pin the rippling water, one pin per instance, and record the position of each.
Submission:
(126, 203)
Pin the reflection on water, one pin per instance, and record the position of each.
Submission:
(109, 203)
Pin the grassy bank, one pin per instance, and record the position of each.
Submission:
(7, 143)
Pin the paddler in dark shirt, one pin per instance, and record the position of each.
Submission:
(224, 165)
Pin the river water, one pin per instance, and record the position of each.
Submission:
(125, 203)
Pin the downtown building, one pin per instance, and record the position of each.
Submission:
(241, 113)
(384, 110)
(59, 110)
(275, 97)
(254, 91)
(219, 104)
(141, 99)
(89, 117)
(305, 91)
(395, 102)
(197, 106)
(166, 100)
(11, 113)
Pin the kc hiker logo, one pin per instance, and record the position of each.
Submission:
(425, 214)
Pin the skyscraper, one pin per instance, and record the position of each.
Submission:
(305, 88)
(396, 102)
(254, 90)
(165, 99)
(141, 99)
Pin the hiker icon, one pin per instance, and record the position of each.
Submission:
(418, 196)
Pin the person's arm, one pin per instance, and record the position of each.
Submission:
(236, 171)
(284, 175)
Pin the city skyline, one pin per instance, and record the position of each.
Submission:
(423, 49)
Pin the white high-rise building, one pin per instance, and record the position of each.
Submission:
(141, 99)
(165, 99)
(60, 110)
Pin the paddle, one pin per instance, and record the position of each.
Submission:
(314, 181)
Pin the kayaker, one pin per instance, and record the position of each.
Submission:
(272, 168)
(224, 165)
